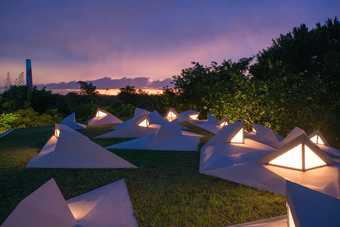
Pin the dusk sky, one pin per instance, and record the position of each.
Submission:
(88, 39)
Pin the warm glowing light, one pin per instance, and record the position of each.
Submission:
(238, 138)
(145, 123)
(194, 116)
(294, 158)
(100, 114)
(291, 158)
(57, 132)
(223, 124)
(290, 217)
(171, 116)
(312, 160)
(80, 209)
(253, 130)
(317, 140)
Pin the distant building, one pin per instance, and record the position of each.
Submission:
(29, 79)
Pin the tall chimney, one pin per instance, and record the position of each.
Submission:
(29, 81)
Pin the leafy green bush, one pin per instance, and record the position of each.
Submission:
(25, 118)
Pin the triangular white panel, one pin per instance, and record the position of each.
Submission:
(296, 132)
(71, 122)
(103, 118)
(108, 205)
(232, 133)
(74, 150)
(171, 116)
(317, 140)
(312, 160)
(264, 135)
(291, 158)
(44, 207)
(144, 123)
(238, 138)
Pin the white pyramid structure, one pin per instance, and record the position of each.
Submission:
(298, 153)
(211, 125)
(171, 115)
(309, 208)
(264, 135)
(233, 133)
(135, 127)
(169, 138)
(322, 143)
(156, 118)
(318, 139)
(109, 205)
(46, 206)
(68, 148)
(103, 118)
(71, 122)
(296, 132)
(139, 112)
(105, 206)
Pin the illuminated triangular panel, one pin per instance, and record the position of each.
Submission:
(317, 140)
(194, 116)
(171, 116)
(291, 159)
(312, 160)
(57, 132)
(144, 123)
(100, 114)
(290, 220)
(223, 124)
(238, 137)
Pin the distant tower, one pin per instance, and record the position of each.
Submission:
(29, 81)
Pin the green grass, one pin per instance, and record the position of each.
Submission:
(166, 190)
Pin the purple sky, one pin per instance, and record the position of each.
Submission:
(88, 39)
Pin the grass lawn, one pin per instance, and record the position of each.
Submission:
(166, 189)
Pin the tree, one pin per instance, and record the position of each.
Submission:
(301, 69)
(87, 88)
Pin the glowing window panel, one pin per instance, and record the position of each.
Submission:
(171, 116)
(290, 217)
(57, 132)
(253, 130)
(291, 158)
(194, 116)
(317, 140)
(238, 138)
(100, 114)
(145, 123)
(223, 124)
(312, 160)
